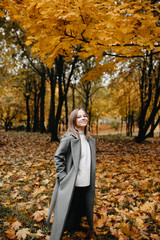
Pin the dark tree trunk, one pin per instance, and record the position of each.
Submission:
(121, 125)
(28, 128)
(54, 132)
(150, 95)
(97, 127)
(36, 106)
(63, 86)
(8, 122)
(6, 126)
(151, 133)
(129, 121)
(87, 93)
(59, 68)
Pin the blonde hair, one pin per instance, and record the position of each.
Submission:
(72, 123)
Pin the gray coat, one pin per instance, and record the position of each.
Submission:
(67, 162)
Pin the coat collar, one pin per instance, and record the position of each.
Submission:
(76, 149)
(76, 137)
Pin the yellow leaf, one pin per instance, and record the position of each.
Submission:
(2, 14)
(39, 190)
(148, 207)
(39, 233)
(39, 215)
(16, 225)
(23, 233)
(139, 222)
(125, 227)
(100, 223)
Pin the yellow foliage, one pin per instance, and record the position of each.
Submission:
(58, 26)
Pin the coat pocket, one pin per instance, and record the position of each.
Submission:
(64, 180)
(69, 177)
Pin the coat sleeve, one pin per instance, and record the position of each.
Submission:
(60, 158)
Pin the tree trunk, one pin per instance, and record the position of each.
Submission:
(52, 78)
(59, 68)
(63, 86)
(150, 96)
(6, 126)
(121, 125)
(86, 100)
(28, 128)
(54, 133)
(151, 133)
(36, 112)
(97, 127)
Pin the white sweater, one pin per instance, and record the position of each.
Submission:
(83, 176)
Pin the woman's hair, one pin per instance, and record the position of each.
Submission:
(72, 123)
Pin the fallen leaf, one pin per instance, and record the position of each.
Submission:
(155, 236)
(16, 225)
(22, 234)
(38, 215)
(81, 235)
(139, 222)
(125, 227)
(11, 234)
(39, 233)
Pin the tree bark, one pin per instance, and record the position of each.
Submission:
(63, 86)
(28, 128)
(36, 112)
(150, 95)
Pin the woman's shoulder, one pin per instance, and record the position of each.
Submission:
(69, 136)
(90, 136)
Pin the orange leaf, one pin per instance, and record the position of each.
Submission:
(11, 220)
(11, 234)
(155, 236)
(81, 235)
(100, 223)
(125, 227)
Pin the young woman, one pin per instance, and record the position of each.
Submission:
(75, 170)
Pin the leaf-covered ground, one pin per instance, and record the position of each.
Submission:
(127, 188)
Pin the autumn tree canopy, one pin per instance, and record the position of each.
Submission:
(59, 27)
(81, 29)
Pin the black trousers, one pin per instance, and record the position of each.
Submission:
(77, 209)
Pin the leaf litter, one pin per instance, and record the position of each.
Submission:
(127, 188)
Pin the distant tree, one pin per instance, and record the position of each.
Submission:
(124, 93)
(149, 85)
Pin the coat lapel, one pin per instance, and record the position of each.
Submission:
(92, 146)
(76, 151)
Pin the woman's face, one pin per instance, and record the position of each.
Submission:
(81, 120)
